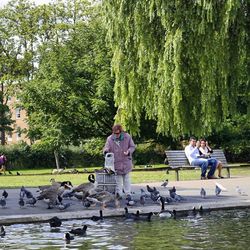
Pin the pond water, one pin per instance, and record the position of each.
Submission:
(216, 230)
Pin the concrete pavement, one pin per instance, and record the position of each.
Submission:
(189, 190)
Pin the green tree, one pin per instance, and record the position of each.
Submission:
(17, 46)
(71, 95)
(181, 63)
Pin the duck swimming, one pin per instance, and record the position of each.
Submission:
(164, 213)
(68, 237)
(2, 232)
(79, 231)
(97, 218)
(55, 222)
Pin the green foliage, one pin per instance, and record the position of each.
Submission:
(71, 95)
(234, 138)
(182, 62)
(149, 153)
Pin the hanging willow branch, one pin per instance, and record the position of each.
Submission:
(178, 61)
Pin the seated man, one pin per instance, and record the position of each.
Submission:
(193, 155)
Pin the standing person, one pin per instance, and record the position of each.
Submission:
(207, 151)
(3, 160)
(193, 155)
(121, 144)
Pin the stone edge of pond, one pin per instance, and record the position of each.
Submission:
(182, 211)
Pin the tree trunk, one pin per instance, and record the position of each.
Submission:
(57, 160)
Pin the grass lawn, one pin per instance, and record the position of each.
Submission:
(36, 177)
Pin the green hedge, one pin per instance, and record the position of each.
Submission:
(90, 154)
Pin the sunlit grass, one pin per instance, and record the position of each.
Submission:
(36, 177)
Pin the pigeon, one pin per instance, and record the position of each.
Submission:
(142, 199)
(5, 194)
(2, 232)
(55, 222)
(165, 183)
(86, 203)
(203, 193)
(129, 200)
(79, 231)
(172, 192)
(69, 194)
(154, 193)
(63, 206)
(68, 237)
(220, 186)
(143, 192)
(217, 190)
(21, 202)
(31, 201)
(150, 190)
(240, 191)
(97, 218)
(26, 193)
(3, 202)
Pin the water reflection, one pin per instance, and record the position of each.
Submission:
(216, 230)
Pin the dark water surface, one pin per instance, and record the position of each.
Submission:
(216, 230)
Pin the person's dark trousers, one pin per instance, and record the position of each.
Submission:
(213, 164)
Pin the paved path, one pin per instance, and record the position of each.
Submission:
(190, 190)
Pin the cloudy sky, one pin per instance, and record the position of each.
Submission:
(3, 2)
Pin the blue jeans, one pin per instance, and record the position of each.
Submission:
(213, 163)
(203, 164)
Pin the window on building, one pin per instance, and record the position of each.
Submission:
(18, 113)
(9, 136)
(18, 133)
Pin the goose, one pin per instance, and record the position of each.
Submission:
(79, 231)
(97, 218)
(52, 193)
(53, 183)
(68, 237)
(131, 216)
(2, 232)
(86, 188)
(55, 222)
(144, 217)
(103, 197)
(164, 213)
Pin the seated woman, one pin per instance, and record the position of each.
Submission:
(206, 151)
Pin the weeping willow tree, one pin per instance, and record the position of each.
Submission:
(182, 63)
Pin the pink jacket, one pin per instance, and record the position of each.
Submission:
(122, 163)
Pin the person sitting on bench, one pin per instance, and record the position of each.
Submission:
(207, 151)
(193, 155)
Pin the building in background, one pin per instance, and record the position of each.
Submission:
(19, 125)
